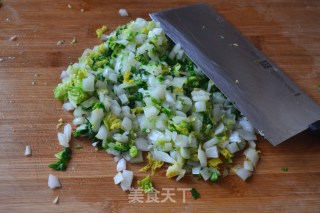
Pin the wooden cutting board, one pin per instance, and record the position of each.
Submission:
(30, 65)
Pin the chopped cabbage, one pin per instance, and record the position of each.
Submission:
(138, 91)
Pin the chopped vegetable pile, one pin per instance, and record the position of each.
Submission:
(138, 92)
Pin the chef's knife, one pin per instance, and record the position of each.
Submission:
(276, 106)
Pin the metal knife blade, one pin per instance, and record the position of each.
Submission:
(261, 91)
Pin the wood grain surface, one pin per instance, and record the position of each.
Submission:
(288, 31)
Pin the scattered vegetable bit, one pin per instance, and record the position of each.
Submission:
(82, 10)
(74, 40)
(319, 86)
(56, 200)
(78, 146)
(123, 12)
(285, 169)
(127, 180)
(53, 182)
(60, 123)
(101, 30)
(63, 140)
(64, 156)
(67, 131)
(243, 173)
(146, 184)
(121, 165)
(118, 178)
(195, 194)
(14, 38)
(33, 83)
(69, 6)
(27, 151)
(60, 42)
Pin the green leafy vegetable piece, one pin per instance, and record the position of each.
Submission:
(79, 132)
(156, 103)
(101, 30)
(133, 152)
(105, 143)
(182, 127)
(87, 131)
(100, 77)
(139, 96)
(195, 194)
(146, 130)
(152, 164)
(61, 91)
(167, 111)
(121, 147)
(171, 126)
(146, 184)
(64, 157)
(98, 105)
(160, 78)
(214, 177)
(78, 146)
(112, 122)
(72, 88)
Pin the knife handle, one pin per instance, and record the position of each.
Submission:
(315, 127)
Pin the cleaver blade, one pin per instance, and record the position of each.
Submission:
(274, 104)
